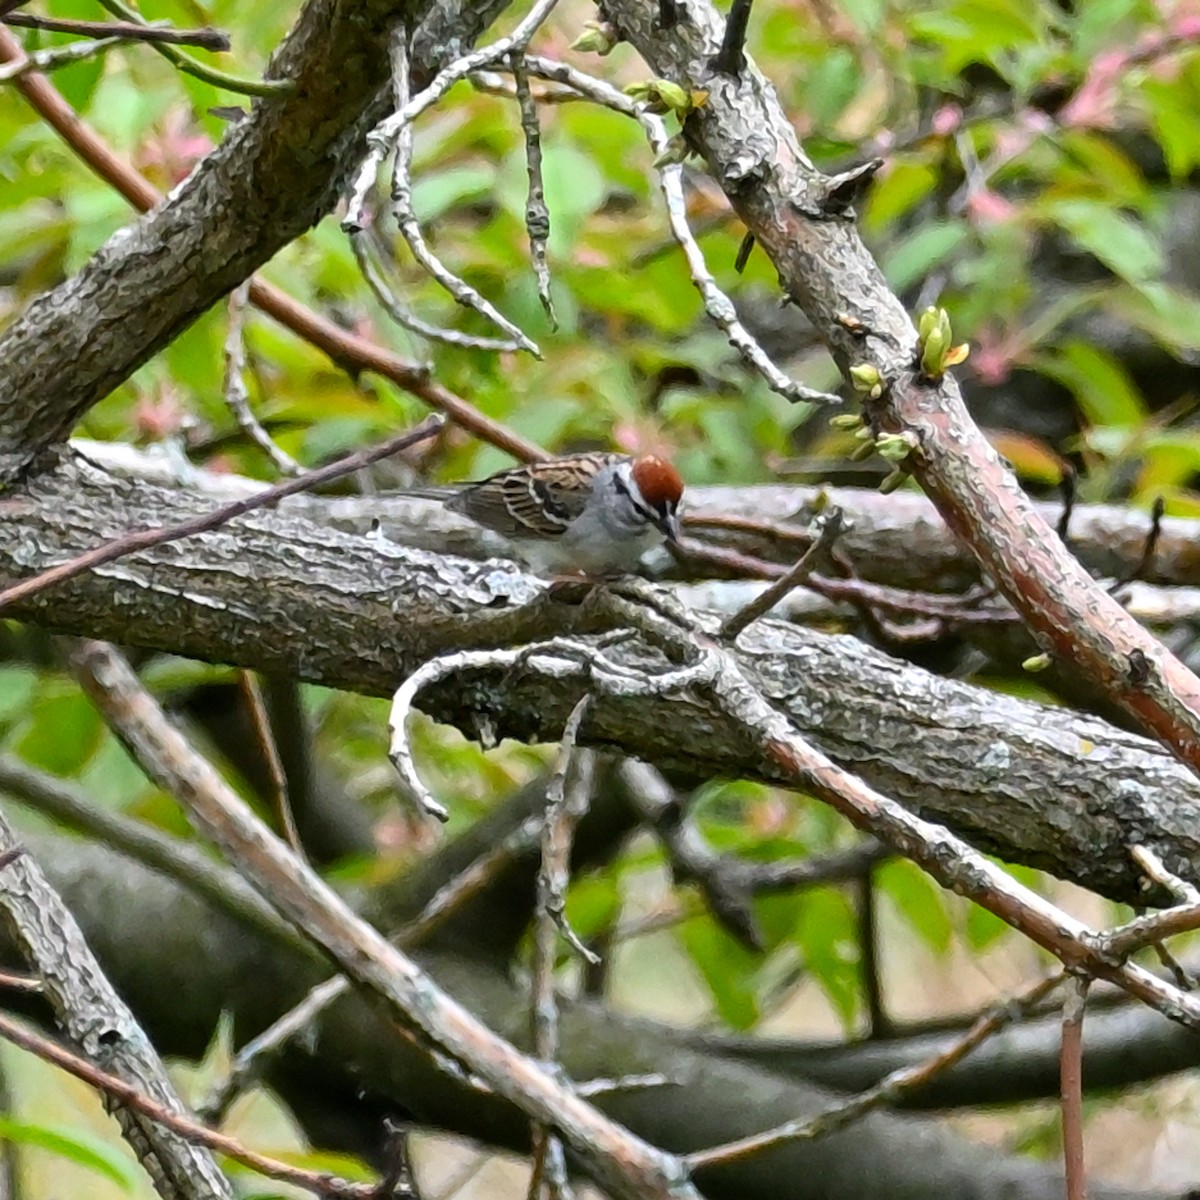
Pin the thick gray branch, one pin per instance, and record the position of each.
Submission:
(1125, 1044)
(274, 175)
(276, 592)
(899, 540)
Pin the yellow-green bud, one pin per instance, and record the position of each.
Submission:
(1039, 662)
(598, 37)
(864, 377)
(846, 421)
(895, 447)
(662, 96)
(935, 342)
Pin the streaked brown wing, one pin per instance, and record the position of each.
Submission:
(530, 503)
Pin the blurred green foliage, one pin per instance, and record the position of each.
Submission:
(1039, 158)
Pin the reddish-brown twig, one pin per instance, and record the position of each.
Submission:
(320, 1182)
(350, 351)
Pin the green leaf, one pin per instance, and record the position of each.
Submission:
(919, 901)
(78, 1146)
(922, 251)
(1168, 314)
(593, 903)
(897, 192)
(1174, 109)
(983, 929)
(62, 732)
(1103, 389)
(435, 192)
(1125, 246)
(727, 967)
(826, 935)
(1107, 171)
(17, 688)
(834, 80)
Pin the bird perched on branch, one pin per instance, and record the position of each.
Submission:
(592, 513)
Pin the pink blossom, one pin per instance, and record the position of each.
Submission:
(986, 207)
(946, 120)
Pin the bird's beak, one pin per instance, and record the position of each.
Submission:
(670, 527)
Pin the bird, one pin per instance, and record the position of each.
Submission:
(592, 513)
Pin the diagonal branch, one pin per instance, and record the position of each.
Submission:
(100, 1024)
(752, 150)
(275, 174)
(619, 1160)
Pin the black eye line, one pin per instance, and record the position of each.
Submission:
(651, 512)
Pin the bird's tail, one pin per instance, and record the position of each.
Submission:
(445, 492)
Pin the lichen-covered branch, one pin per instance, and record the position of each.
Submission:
(276, 592)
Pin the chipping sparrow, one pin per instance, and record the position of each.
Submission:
(595, 513)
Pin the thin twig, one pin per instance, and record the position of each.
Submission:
(52, 59)
(350, 351)
(1071, 1087)
(396, 309)
(189, 66)
(731, 58)
(206, 38)
(237, 399)
(537, 214)
(261, 722)
(879, 1024)
(144, 539)
(1146, 559)
(831, 526)
(1156, 869)
(410, 229)
(20, 983)
(394, 132)
(670, 174)
(1147, 929)
(321, 1183)
(558, 658)
(549, 1165)
(886, 1091)
(356, 223)
(566, 806)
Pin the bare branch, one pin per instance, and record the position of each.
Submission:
(830, 530)
(1074, 1006)
(670, 175)
(321, 1183)
(56, 57)
(537, 214)
(887, 1091)
(97, 1020)
(752, 151)
(619, 1161)
(206, 38)
(261, 722)
(190, 66)
(236, 396)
